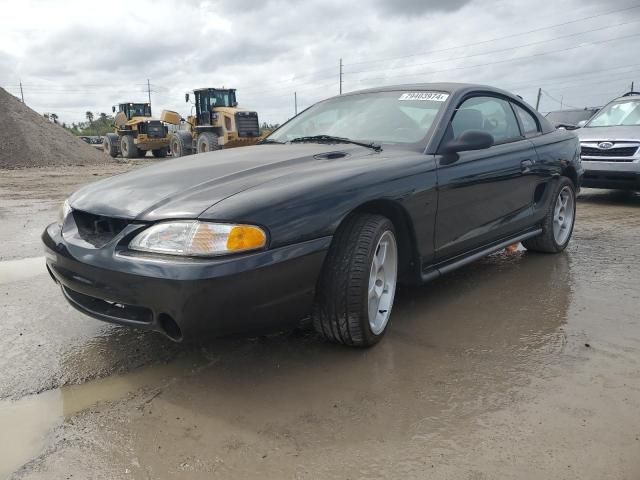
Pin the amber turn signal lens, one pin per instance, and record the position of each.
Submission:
(245, 237)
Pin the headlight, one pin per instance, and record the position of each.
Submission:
(65, 209)
(200, 239)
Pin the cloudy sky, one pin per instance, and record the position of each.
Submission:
(74, 56)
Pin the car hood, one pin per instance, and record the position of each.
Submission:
(187, 186)
(610, 134)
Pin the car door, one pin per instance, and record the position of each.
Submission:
(482, 194)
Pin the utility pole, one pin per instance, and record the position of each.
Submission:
(340, 76)
(22, 93)
(149, 91)
(561, 101)
(295, 102)
(538, 100)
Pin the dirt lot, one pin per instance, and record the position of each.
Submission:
(521, 366)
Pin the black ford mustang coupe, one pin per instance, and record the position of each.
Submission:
(351, 197)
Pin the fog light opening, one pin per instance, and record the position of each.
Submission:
(170, 327)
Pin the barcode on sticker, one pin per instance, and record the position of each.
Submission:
(425, 96)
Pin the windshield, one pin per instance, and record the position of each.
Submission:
(216, 98)
(383, 117)
(140, 110)
(626, 112)
(569, 117)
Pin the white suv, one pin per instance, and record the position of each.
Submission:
(610, 144)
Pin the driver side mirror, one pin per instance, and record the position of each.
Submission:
(186, 97)
(113, 109)
(581, 123)
(469, 140)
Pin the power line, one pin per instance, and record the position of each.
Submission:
(580, 75)
(495, 39)
(505, 60)
(502, 49)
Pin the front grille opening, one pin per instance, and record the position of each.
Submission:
(611, 152)
(97, 230)
(153, 129)
(122, 311)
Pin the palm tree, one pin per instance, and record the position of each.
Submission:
(53, 117)
(103, 117)
(89, 116)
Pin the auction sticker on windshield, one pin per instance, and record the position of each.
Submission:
(425, 96)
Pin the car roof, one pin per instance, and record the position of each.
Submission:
(628, 96)
(450, 87)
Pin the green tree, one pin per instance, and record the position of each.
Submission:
(53, 117)
(89, 116)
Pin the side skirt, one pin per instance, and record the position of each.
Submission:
(448, 266)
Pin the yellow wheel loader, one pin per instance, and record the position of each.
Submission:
(136, 133)
(218, 123)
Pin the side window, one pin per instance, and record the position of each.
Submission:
(493, 115)
(529, 124)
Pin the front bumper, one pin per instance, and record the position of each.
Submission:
(611, 174)
(147, 143)
(184, 297)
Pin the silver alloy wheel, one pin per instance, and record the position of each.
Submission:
(382, 282)
(563, 214)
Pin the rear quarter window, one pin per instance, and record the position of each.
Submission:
(529, 124)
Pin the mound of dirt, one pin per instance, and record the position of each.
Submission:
(29, 140)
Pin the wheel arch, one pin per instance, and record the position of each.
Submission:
(409, 264)
(570, 172)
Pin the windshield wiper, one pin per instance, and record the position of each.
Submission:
(268, 140)
(331, 138)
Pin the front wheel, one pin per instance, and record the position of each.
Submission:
(207, 142)
(558, 223)
(110, 144)
(358, 282)
(128, 147)
(180, 144)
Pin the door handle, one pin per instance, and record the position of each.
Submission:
(525, 166)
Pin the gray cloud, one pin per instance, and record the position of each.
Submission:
(419, 8)
(270, 49)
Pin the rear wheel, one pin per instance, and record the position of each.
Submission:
(128, 147)
(110, 144)
(358, 282)
(558, 223)
(207, 142)
(160, 152)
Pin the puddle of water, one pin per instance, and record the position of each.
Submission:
(16, 270)
(26, 423)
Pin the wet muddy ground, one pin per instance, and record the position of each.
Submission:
(517, 366)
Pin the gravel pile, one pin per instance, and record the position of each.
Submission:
(29, 140)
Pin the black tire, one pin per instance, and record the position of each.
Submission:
(341, 312)
(160, 152)
(180, 143)
(110, 144)
(128, 147)
(207, 142)
(546, 242)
